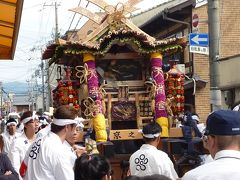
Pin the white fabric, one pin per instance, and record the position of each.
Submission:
(18, 150)
(11, 123)
(44, 131)
(7, 141)
(148, 160)
(206, 158)
(226, 165)
(13, 114)
(195, 117)
(79, 122)
(47, 159)
(64, 122)
(236, 108)
(33, 117)
(20, 128)
(72, 155)
(150, 136)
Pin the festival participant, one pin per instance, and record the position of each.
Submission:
(148, 159)
(47, 158)
(70, 143)
(92, 167)
(9, 135)
(21, 144)
(222, 139)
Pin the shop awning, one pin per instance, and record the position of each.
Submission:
(10, 16)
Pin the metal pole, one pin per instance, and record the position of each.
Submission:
(213, 30)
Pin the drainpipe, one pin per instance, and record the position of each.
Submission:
(181, 22)
(175, 20)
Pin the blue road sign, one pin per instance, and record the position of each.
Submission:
(196, 39)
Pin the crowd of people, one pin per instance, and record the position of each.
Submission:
(37, 148)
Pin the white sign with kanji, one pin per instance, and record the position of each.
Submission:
(199, 50)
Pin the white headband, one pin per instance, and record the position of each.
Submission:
(63, 122)
(29, 119)
(80, 120)
(11, 123)
(150, 136)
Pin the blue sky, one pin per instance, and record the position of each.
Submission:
(36, 29)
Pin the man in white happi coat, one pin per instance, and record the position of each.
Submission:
(9, 135)
(47, 158)
(148, 160)
(21, 144)
(222, 139)
(72, 137)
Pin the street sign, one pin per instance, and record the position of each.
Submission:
(195, 21)
(198, 39)
(199, 50)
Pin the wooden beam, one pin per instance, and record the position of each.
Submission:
(131, 134)
(6, 23)
(111, 56)
(93, 16)
(9, 37)
(8, 3)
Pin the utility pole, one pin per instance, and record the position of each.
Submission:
(43, 87)
(56, 21)
(213, 30)
(49, 90)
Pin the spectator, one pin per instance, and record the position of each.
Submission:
(148, 159)
(92, 167)
(46, 158)
(222, 139)
(21, 143)
(7, 172)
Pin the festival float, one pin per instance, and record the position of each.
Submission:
(117, 79)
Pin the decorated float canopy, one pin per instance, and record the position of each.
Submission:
(117, 38)
(136, 41)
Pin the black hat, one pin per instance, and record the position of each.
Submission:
(223, 123)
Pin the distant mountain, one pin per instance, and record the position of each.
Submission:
(16, 87)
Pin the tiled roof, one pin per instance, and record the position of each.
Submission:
(145, 17)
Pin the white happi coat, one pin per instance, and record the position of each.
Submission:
(71, 153)
(7, 140)
(148, 160)
(18, 150)
(44, 131)
(226, 165)
(47, 159)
